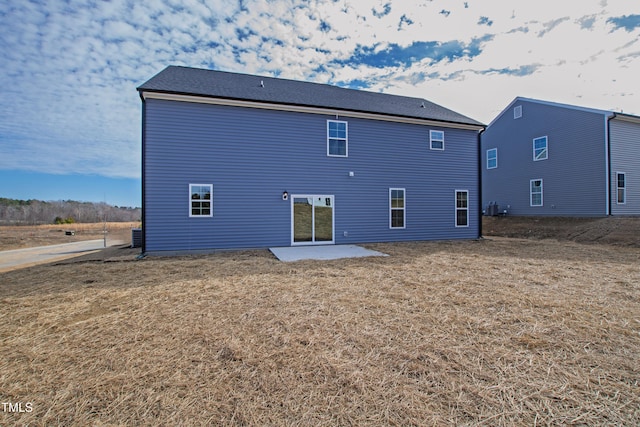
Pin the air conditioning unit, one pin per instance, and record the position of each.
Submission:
(492, 209)
(136, 237)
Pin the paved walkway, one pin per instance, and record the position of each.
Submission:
(20, 258)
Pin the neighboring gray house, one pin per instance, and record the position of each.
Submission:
(241, 161)
(547, 159)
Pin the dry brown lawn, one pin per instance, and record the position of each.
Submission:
(498, 332)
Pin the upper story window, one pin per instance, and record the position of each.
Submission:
(337, 139)
(621, 188)
(540, 151)
(200, 200)
(436, 140)
(492, 158)
(517, 112)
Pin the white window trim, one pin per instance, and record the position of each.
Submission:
(432, 139)
(404, 209)
(496, 156)
(546, 149)
(531, 193)
(624, 189)
(455, 195)
(346, 139)
(517, 112)
(210, 201)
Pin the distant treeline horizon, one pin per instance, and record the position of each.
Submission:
(33, 212)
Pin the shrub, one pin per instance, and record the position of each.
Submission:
(60, 220)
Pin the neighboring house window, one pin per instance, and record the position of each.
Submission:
(540, 148)
(397, 208)
(517, 112)
(337, 142)
(462, 208)
(436, 140)
(622, 188)
(200, 200)
(535, 192)
(492, 158)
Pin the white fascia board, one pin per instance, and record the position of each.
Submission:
(568, 106)
(548, 103)
(306, 109)
(626, 118)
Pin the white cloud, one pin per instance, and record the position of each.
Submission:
(70, 71)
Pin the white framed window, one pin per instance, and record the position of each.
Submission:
(462, 208)
(397, 211)
(436, 140)
(200, 200)
(517, 111)
(337, 138)
(540, 148)
(535, 192)
(492, 158)
(621, 186)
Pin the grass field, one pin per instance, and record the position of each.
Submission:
(498, 332)
(27, 236)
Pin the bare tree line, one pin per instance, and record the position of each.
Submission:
(33, 212)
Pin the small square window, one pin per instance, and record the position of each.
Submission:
(436, 140)
(517, 112)
(337, 139)
(492, 158)
(200, 200)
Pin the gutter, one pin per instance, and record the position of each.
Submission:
(144, 210)
(480, 182)
(329, 111)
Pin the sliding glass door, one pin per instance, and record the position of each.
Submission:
(312, 219)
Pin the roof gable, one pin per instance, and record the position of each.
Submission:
(246, 87)
(520, 99)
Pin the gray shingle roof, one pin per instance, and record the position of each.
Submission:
(220, 84)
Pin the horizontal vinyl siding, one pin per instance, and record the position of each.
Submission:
(625, 157)
(573, 174)
(251, 156)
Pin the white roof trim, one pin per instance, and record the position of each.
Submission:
(626, 118)
(305, 109)
(569, 106)
(551, 104)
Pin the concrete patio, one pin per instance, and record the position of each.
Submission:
(322, 252)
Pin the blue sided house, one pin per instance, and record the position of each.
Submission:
(234, 161)
(542, 158)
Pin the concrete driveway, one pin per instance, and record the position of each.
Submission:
(20, 258)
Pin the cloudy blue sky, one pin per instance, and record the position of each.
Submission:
(70, 114)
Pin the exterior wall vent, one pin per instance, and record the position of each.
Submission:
(517, 112)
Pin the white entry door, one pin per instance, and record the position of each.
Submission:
(312, 220)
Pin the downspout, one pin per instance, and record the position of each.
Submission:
(480, 182)
(144, 211)
(607, 148)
